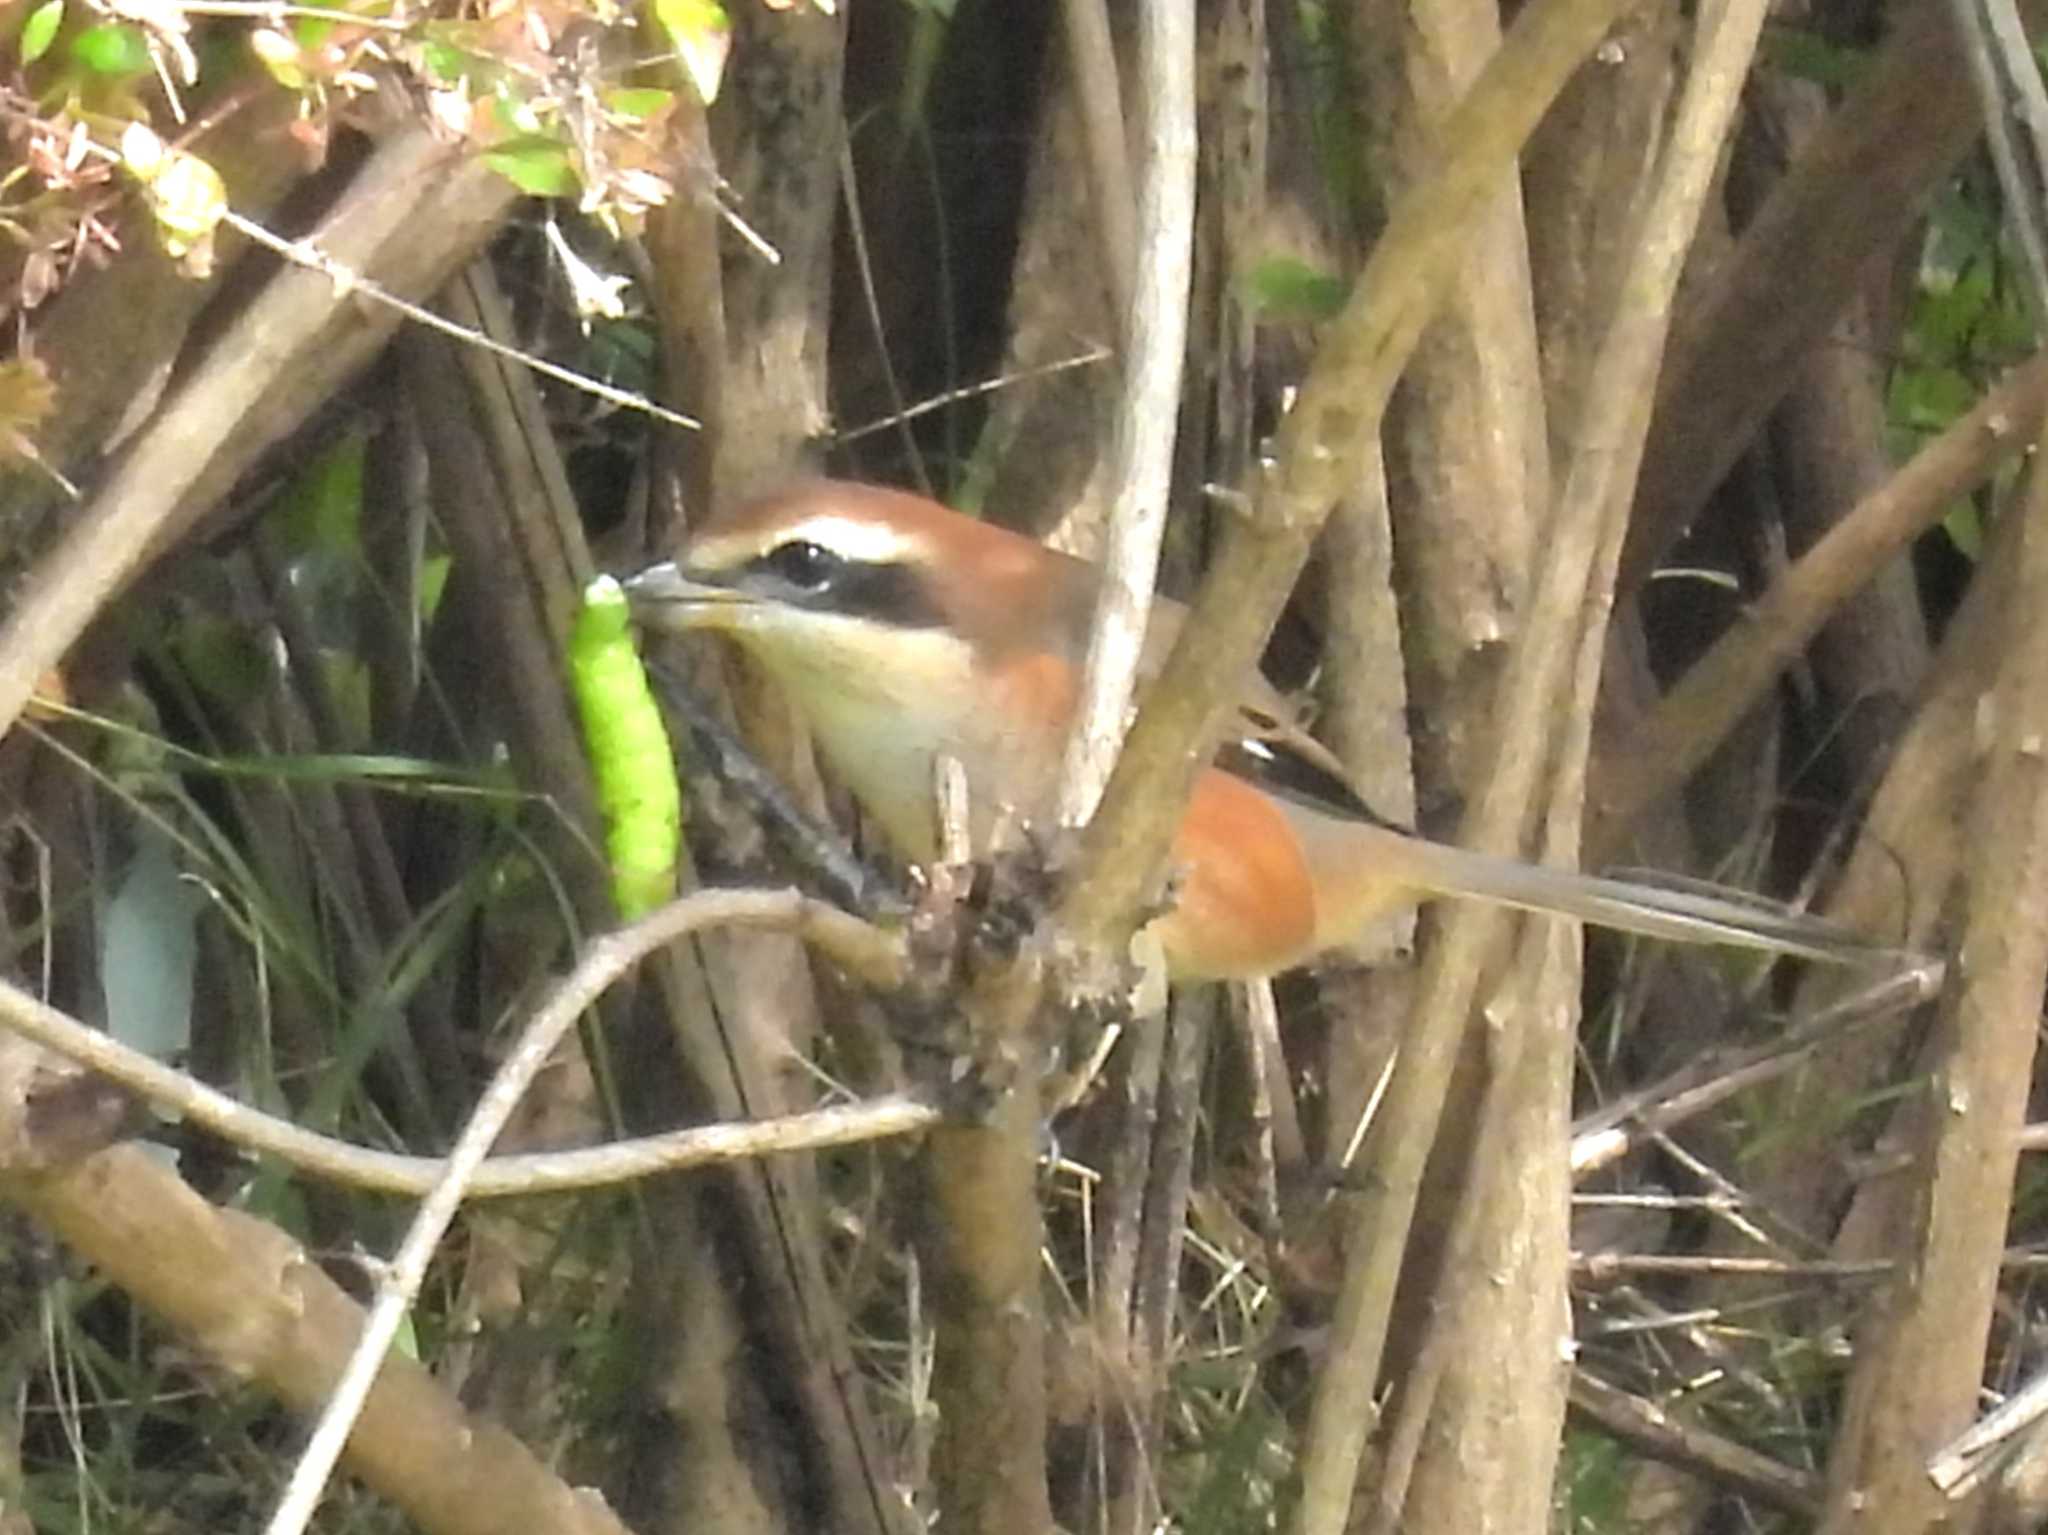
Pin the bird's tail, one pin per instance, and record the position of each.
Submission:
(1653, 905)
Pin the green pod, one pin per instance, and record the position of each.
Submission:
(637, 792)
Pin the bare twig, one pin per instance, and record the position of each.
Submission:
(1606, 1267)
(603, 963)
(308, 254)
(1099, 95)
(1083, 359)
(1657, 1433)
(1148, 408)
(1603, 1137)
(504, 1177)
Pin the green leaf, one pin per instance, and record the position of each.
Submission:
(111, 49)
(535, 164)
(1929, 399)
(637, 103)
(321, 511)
(1286, 289)
(310, 32)
(445, 62)
(433, 580)
(1965, 529)
(40, 30)
(701, 34)
(1807, 55)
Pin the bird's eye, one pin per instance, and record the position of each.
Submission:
(804, 565)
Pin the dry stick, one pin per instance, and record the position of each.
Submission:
(1607, 1267)
(1602, 1138)
(1153, 301)
(1939, 1317)
(310, 255)
(1141, 441)
(603, 962)
(550, 1172)
(1575, 578)
(1092, 58)
(250, 1301)
(1087, 357)
(1645, 1426)
(1697, 714)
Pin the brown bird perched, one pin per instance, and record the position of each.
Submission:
(903, 631)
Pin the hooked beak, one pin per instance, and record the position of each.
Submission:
(662, 597)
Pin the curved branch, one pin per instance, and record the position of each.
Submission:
(870, 953)
(870, 956)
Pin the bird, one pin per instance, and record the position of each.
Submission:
(904, 631)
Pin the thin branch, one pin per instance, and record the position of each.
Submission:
(1645, 1426)
(869, 953)
(603, 962)
(1148, 407)
(348, 282)
(1609, 1133)
(1099, 97)
(1083, 359)
(1605, 1268)
(1919, 1364)
(551, 1172)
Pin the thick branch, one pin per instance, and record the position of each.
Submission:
(249, 1298)
(1919, 1368)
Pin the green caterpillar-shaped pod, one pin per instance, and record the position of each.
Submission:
(637, 792)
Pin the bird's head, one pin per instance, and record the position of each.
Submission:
(840, 578)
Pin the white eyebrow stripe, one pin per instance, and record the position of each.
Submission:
(849, 537)
(854, 538)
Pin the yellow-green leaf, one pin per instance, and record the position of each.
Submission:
(40, 30)
(190, 198)
(637, 103)
(701, 34)
(535, 164)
